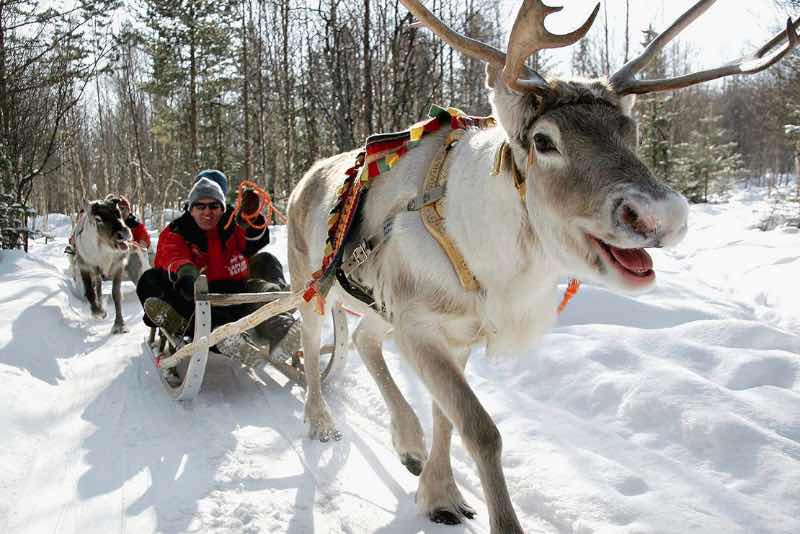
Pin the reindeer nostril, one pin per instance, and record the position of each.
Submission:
(629, 217)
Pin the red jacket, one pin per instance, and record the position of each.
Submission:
(140, 233)
(220, 254)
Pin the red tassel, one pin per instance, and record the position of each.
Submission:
(572, 288)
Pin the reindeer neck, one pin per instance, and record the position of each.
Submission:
(485, 215)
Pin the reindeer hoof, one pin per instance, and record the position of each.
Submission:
(466, 510)
(119, 328)
(414, 465)
(99, 314)
(445, 517)
(328, 435)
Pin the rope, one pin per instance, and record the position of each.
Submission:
(264, 200)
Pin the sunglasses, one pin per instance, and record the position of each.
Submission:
(207, 205)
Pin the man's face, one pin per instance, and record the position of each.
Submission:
(206, 212)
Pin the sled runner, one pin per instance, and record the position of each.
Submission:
(182, 362)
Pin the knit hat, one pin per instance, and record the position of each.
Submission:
(205, 187)
(216, 176)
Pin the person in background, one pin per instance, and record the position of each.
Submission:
(199, 242)
(140, 234)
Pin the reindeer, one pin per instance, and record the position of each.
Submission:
(572, 199)
(101, 251)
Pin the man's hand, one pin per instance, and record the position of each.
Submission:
(185, 282)
(249, 207)
(250, 202)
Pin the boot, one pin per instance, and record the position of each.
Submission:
(288, 340)
(243, 349)
(165, 317)
(257, 285)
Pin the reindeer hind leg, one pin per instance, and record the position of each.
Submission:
(317, 413)
(116, 291)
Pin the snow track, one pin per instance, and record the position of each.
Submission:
(676, 411)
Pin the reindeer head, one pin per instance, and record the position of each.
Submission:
(592, 203)
(111, 228)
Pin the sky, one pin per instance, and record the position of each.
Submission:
(671, 412)
(723, 33)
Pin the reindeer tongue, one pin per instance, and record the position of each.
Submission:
(633, 259)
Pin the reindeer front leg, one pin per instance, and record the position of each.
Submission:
(93, 295)
(116, 291)
(443, 376)
(317, 413)
(438, 496)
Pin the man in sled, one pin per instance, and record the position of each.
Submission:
(202, 241)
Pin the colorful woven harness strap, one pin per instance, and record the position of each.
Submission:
(381, 152)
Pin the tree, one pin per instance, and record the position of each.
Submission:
(46, 62)
(708, 163)
(47, 58)
(655, 119)
(191, 42)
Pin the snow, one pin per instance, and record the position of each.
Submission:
(671, 412)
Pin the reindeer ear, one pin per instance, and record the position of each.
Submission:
(91, 208)
(626, 104)
(515, 112)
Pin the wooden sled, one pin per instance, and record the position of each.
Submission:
(182, 362)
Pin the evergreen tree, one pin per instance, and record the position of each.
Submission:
(708, 163)
(584, 62)
(192, 43)
(655, 120)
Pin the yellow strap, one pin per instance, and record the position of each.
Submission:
(433, 214)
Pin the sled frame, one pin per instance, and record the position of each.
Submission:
(182, 363)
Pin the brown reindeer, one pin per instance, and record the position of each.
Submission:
(102, 242)
(556, 189)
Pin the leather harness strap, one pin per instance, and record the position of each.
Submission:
(504, 160)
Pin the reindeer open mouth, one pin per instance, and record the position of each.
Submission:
(634, 265)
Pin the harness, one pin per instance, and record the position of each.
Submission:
(380, 154)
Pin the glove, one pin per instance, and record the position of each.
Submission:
(185, 281)
(250, 204)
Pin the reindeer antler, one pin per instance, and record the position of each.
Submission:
(528, 36)
(624, 80)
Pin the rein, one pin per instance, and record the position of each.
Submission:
(264, 200)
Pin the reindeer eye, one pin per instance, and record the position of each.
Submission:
(98, 219)
(543, 143)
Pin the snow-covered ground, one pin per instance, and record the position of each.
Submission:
(673, 412)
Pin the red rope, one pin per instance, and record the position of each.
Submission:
(264, 200)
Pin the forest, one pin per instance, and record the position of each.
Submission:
(101, 96)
